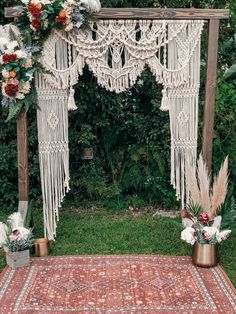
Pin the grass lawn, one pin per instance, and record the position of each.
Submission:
(103, 232)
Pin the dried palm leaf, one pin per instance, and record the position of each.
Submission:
(220, 188)
(204, 185)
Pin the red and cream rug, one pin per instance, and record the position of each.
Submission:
(115, 284)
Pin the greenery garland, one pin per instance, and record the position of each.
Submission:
(20, 53)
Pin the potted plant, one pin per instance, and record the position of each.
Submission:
(202, 218)
(16, 241)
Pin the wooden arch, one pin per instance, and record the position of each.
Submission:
(212, 16)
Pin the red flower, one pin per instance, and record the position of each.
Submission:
(36, 24)
(61, 18)
(35, 9)
(9, 57)
(186, 214)
(11, 90)
(204, 217)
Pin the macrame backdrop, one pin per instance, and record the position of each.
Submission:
(117, 51)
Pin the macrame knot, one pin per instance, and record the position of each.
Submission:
(71, 101)
(165, 103)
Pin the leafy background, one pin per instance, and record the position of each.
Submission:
(129, 134)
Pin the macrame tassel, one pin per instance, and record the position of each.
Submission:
(165, 103)
(71, 101)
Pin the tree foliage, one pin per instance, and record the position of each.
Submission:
(129, 134)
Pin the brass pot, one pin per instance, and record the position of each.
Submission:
(41, 247)
(205, 255)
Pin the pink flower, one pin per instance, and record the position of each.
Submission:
(186, 214)
(204, 218)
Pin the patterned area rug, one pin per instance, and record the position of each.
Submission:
(115, 284)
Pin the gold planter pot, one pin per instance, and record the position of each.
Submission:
(41, 247)
(205, 255)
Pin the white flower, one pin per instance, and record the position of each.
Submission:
(16, 220)
(26, 88)
(23, 233)
(187, 235)
(70, 2)
(21, 53)
(5, 74)
(3, 90)
(45, 1)
(217, 222)
(223, 235)
(12, 45)
(3, 43)
(210, 232)
(91, 5)
(3, 234)
(25, 1)
(20, 96)
(187, 222)
(45, 24)
(69, 27)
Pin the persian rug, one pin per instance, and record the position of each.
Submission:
(115, 284)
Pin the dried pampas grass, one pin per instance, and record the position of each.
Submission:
(220, 188)
(200, 189)
(204, 185)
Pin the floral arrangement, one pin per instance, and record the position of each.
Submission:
(45, 15)
(17, 72)
(20, 51)
(13, 236)
(202, 219)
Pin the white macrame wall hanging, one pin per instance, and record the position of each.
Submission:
(117, 51)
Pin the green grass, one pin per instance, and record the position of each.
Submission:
(102, 232)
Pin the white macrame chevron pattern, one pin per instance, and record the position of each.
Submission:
(117, 51)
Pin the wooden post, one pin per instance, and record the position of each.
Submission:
(208, 126)
(22, 160)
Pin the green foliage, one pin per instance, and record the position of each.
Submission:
(228, 213)
(129, 134)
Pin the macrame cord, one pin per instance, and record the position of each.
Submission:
(117, 51)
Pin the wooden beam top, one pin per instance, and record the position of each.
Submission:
(148, 13)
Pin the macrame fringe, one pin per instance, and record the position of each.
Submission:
(117, 51)
(52, 118)
(165, 103)
(71, 100)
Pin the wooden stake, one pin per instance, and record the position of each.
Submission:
(22, 159)
(208, 126)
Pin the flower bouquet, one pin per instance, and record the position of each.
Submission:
(43, 16)
(16, 241)
(17, 71)
(202, 219)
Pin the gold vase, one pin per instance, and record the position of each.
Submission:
(205, 255)
(41, 247)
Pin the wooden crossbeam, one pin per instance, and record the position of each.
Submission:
(211, 15)
(148, 13)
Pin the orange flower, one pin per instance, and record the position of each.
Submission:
(39, 6)
(12, 74)
(35, 9)
(61, 19)
(62, 13)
